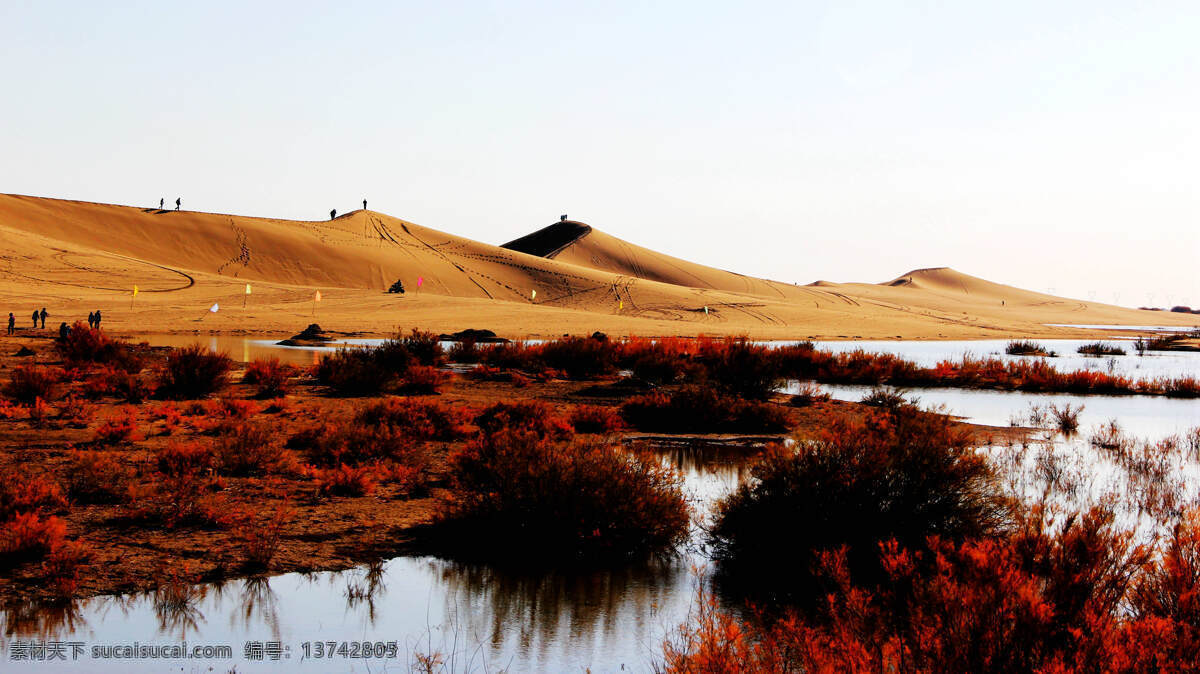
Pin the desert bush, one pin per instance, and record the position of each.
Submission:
(658, 361)
(251, 449)
(76, 412)
(1169, 590)
(62, 566)
(423, 347)
(180, 458)
(260, 542)
(121, 427)
(231, 409)
(194, 372)
(331, 445)
(98, 476)
(463, 351)
(28, 493)
(358, 372)
(887, 399)
(1066, 418)
(27, 536)
(271, 377)
(595, 419)
(27, 383)
(131, 387)
(420, 419)
(1026, 348)
(181, 493)
(344, 480)
(1100, 349)
(579, 357)
(509, 356)
(86, 345)
(695, 409)
(901, 474)
(423, 380)
(524, 415)
(809, 394)
(518, 491)
(741, 368)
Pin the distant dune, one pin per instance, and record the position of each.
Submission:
(74, 257)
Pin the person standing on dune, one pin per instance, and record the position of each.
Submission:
(44, 315)
(332, 214)
(97, 319)
(364, 204)
(178, 202)
(12, 323)
(91, 319)
(35, 317)
(161, 203)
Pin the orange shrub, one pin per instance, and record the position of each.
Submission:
(423, 379)
(27, 536)
(194, 372)
(595, 419)
(524, 415)
(271, 376)
(119, 428)
(345, 480)
(28, 493)
(251, 449)
(425, 420)
(27, 383)
(695, 409)
(86, 345)
(99, 476)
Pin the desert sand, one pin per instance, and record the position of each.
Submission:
(75, 257)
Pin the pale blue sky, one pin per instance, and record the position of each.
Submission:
(1047, 145)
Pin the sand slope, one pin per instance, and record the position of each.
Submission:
(74, 257)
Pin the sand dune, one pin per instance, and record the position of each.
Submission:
(74, 257)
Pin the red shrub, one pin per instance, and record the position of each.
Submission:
(27, 536)
(179, 458)
(251, 449)
(120, 428)
(85, 345)
(261, 541)
(99, 477)
(271, 376)
(27, 383)
(194, 372)
(28, 493)
(524, 415)
(595, 419)
(232, 409)
(345, 480)
(423, 379)
(695, 409)
(416, 418)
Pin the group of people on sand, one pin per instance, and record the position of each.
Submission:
(162, 203)
(333, 212)
(41, 316)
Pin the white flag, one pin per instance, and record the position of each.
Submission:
(247, 288)
(533, 295)
(214, 307)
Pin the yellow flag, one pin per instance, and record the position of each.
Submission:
(621, 304)
(135, 291)
(317, 297)
(247, 288)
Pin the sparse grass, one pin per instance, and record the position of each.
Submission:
(194, 372)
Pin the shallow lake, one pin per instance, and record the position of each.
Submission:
(485, 618)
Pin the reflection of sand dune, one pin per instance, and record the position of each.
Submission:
(77, 257)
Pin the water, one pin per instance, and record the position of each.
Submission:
(485, 618)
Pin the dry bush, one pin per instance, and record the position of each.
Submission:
(181, 492)
(99, 476)
(193, 372)
(595, 419)
(524, 415)
(26, 536)
(23, 492)
(579, 357)
(519, 492)
(423, 380)
(85, 345)
(740, 368)
(271, 377)
(695, 409)
(260, 541)
(251, 449)
(27, 383)
(122, 427)
(344, 480)
(1066, 418)
(901, 474)
(809, 394)
(421, 419)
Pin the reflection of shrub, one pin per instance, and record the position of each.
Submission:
(519, 491)
(271, 376)
(903, 474)
(27, 383)
(464, 351)
(194, 372)
(695, 409)
(1100, 349)
(1026, 348)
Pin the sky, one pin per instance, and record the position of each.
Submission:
(1051, 146)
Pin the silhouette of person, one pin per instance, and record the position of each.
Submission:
(64, 331)
(44, 315)
(91, 319)
(364, 204)
(161, 203)
(332, 213)
(178, 202)
(12, 323)
(35, 317)
(97, 319)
